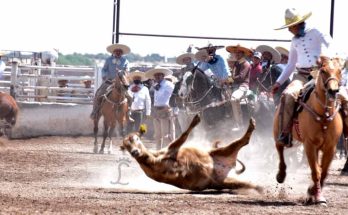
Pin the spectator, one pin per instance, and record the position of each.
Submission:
(162, 111)
(141, 102)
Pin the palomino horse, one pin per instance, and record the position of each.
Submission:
(8, 112)
(319, 128)
(114, 109)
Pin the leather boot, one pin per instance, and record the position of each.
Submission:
(285, 120)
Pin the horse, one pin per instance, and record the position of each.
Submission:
(8, 113)
(114, 109)
(201, 95)
(319, 128)
(268, 78)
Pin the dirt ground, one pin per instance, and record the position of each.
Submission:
(61, 175)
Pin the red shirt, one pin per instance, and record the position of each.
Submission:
(255, 72)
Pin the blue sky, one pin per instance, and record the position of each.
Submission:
(85, 26)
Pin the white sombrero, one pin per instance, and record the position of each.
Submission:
(172, 78)
(180, 58)
(111, 48)
(137, 73)
(201, 55)
(275, 54)
(150, 73)
(293, 17)
(282, 50)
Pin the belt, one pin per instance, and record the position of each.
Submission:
(161, 107)
(306, 71)
(140, 110)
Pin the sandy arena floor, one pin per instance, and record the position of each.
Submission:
(61, 175)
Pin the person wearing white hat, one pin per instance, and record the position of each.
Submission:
(187, 60)
(162, 112)
(113, 65)
(306, 47)
(255, 72)
(214, 62)
(271, 70)
(141, 100)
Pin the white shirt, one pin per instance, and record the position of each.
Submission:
(305, 51)
(141, 99)
(162, 96)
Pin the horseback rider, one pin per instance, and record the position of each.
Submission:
(240, 84)
(306, 47)
(216, 63)
(187, 60)
(114, 65)
(270, 70)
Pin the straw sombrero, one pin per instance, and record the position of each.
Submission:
(237, 48)
(282, 50)
(275, 54)
(137, 73)
(172, 78)
(111, 48)
(150, 73)
(293, 17)
(180, 58)
(201, 55)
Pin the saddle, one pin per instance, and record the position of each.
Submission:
(304, 96)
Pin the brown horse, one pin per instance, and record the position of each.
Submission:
(319, 128)
(114, 109)
(8, 112)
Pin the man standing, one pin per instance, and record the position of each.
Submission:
(141, 100)
(162, 112)
(113, 65)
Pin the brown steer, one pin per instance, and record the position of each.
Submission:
(190, 167)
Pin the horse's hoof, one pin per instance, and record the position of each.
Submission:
(101, 152)
(281, 177)
(95, 150)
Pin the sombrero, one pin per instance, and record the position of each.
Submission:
(172, 78)
(210, 46)
(201, 55)
(293, 17)
(275, 54)
(237, 48)
(180, 58)
(111, 48)
(150, 73)
(137, 73)
(282, 50)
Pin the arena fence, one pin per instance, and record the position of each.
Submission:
(62, 84)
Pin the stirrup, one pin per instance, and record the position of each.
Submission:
(285, 139)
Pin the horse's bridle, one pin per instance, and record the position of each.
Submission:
(327, 117)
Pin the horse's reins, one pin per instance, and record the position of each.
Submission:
(326, 117)
(117, 104)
